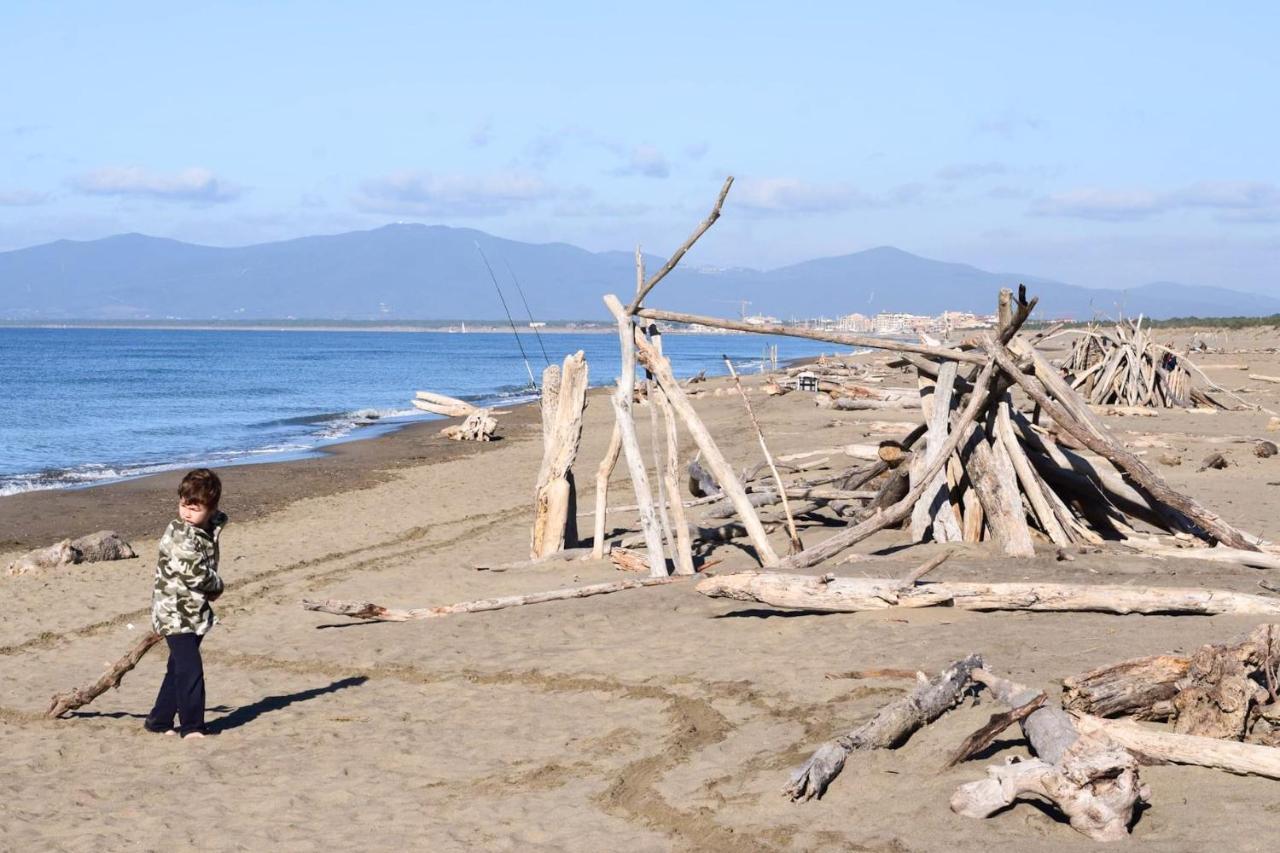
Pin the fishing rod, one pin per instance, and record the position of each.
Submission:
(532, 384)
(520, 291)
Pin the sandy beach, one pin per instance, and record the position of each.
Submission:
(652, 719)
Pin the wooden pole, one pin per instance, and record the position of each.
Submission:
(845, 338)
(796, 545)
(602, 490)
(378, 613)
(554, 521)
(723, 472)
(61, 703)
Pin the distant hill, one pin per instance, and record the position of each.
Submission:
(420, 272)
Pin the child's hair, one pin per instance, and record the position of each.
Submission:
(200, 486)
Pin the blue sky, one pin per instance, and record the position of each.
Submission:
(1103, 144)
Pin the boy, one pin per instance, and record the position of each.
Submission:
(186, 582)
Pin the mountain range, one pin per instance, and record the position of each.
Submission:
(422, 272)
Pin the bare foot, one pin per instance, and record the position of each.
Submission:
(170, 732)
(193, 734)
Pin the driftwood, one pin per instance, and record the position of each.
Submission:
(850, 595)
(992, 729)
(796, 544)
(554, 520)
(891, 726)
(61, 703)
(1221, 690)
(1160, 747)
(1091, 780)
(1092, 435)
(377, 613)
(95, 547)
(622, 402)
(478, 426)
(605, 469)
(439, 404)
(715, 461)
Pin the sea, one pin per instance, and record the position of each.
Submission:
(84, 406)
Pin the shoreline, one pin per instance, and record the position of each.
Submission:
(134, 506)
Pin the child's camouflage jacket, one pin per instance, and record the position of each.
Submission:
(186, 575)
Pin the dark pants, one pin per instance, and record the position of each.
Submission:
(182, 691)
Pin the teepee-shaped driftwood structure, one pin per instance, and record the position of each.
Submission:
(1009, 452)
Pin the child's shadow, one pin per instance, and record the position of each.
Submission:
(248, 713)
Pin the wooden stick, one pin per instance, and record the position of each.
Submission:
(985, 736)
(897, 512)
(1105, 446)
(851, 595)
(606, 467)
(796, 545)
(1246, 759)
(61, 703)
(892, 725)
(715, 460)
(933, 512)
(630, 445)
(924, 568)
(844, 338)
(377, 613)
(682, 548)
(643, 290)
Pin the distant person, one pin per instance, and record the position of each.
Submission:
(186, 583)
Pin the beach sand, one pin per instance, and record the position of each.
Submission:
(652, 719)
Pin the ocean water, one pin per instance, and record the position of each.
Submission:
(84, 406)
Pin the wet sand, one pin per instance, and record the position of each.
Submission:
(653, 719)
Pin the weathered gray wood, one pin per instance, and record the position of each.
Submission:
(850, 595)
(1104, 445)
(933, 512)
(643, 288)
(844, 338)
(891, 726)
(61, 703)
(553, 520)
(1162, 747)
(897, 512)
(1091, 780)
(378, 613)
(992, 476)
(723, 472)
(603, 471)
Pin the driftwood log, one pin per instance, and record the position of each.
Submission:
(61, 703)
(377, 613)
(1160, 747)
(1218, 691)
(563, 402)
(1090, 779)
(95, 547)
(850, 595)
(891, 726)
(477, 426)
(439, 404)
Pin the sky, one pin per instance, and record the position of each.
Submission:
(1102, 144)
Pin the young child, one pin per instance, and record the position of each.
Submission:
(186, 582)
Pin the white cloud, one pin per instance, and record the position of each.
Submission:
(22, 198)
(647, 161)
(766, 196)
(1235, 201)
(425, 194)
(697, 150)
(190, 185)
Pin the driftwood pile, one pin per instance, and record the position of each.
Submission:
(1123, 365)
(93, 548)
(478, 423)
(1221, 701)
